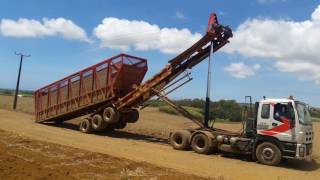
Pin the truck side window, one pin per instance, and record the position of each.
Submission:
(265, 111)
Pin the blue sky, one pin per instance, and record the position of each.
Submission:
(275, 66)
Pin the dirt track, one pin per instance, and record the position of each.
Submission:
(152, 150)
(24, 158)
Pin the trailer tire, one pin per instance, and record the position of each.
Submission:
(97, 122)
(268, 153)
(109, 128)
(58, 122)
(110, 115)
(201, 144)
(120, 125)
(180, 140)
(132, 116)
(85, 126)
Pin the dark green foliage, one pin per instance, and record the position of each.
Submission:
(226, 109)
(315, 112)
(6, 92)
(12, 91)
(223, 109)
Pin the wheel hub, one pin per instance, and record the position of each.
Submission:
(268, 153)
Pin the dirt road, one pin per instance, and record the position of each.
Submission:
(23, 158)
(147, 149)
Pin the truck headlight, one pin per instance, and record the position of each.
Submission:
(301, 151)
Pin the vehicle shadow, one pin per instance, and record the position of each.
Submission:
(306, 165)
(114, 134)
(300, 165)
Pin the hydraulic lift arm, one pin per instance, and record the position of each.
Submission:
(216, 36)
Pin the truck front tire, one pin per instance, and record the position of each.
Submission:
(180, 140)
(268, 153)
(201, 144)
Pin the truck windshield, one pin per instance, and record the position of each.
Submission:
(303, 113)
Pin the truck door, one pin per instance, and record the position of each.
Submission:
(264, 117)
(281, 121)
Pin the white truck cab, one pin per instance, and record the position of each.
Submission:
(285, 123)
(278, 128)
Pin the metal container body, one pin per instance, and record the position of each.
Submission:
(82, 92)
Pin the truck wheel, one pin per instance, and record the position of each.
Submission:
(201, 144)
(132, 116)
(268, 153)
(180, 140)
(97, 122)
(110, 116)
(85, 126)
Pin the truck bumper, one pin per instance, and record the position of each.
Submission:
(303, 151)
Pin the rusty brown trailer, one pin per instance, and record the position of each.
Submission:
(83, 92)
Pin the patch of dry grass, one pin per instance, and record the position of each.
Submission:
(24, 104)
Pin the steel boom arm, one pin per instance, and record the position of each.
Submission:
(216, 36)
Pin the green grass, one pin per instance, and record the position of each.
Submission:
(314, 119)
(11, 92)
(196, 112)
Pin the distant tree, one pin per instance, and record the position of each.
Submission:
(7, 92)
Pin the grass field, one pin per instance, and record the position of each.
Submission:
(196, 112)
(315, 119)
(24, 104)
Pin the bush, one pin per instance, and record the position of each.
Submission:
(226, 109)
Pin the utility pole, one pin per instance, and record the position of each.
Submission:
(18, 80)
(207, 105)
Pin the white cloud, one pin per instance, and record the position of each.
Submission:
(292, 45)
(124, 34)
(180, 15)
(241, 70)
(30, 28)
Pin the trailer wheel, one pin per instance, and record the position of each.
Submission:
(110, 116)
(109, 128)
(85, 126)
(268, 153)
(120, 125)
(58, 122)
(97, 122)
(132, 116)
(201, 144)
(180, 140)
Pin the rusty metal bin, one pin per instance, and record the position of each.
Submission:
(82, 92)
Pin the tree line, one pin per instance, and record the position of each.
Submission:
(223, 109)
